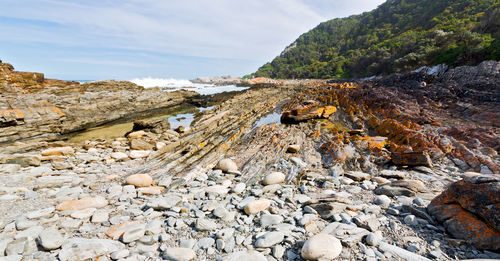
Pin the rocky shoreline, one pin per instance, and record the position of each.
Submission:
(399, 168)
(34, 107)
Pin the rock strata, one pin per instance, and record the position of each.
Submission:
(340, 196)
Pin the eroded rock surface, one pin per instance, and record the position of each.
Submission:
(158, 194)
(470, 210)
(32, 106)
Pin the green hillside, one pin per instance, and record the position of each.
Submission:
(398, 36)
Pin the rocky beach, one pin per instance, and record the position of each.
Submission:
(401, 167)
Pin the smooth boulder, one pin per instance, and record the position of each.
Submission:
(139, 180)
(321, 247)
(274, 178)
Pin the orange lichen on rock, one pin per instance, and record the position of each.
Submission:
(377, 142)
(470, 210)
(325, 112)
(305, 111)
(13, 113)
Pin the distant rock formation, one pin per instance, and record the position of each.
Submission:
(32, 106)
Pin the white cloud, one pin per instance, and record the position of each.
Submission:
(254, 30)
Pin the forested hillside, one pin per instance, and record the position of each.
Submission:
(398, 36)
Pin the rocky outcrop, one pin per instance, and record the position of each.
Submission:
(231, 189)
(308, 110)
(451, 114)
(31, 106)
(470, 210)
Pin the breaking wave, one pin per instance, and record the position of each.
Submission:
(149, 82)
(171, 85)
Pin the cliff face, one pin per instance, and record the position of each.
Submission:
(32, 106)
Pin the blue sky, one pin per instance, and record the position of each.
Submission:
(125, 39)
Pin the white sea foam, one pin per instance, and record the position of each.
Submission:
(149, 82)
(178, 84)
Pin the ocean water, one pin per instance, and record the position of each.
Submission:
(179, 84)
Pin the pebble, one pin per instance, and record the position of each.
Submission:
(269, 239)
(270, 220)
(357, 175)
(249, 255)
(256, 206)
(139, 154)
(42, 213)
(227, 165)
(206, 242)
(411, 220)
(419, 202)
(100, 216)
(382, 200)
(187, 243)
(133, 233)
(96, 202)
(120, 254)
(139, 180)
(20, 246)
(119, 156)
(205, 225)
(58, 151)
(83, 214)
(50, 239)
(293, 148)
(373, 239)
(321, 246)
(274, 178)
(87, 249)
(239, 188)
(179, 254)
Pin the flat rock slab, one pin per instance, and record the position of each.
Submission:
(86, 249)
(250, 255)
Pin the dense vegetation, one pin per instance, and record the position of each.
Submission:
(398, 36)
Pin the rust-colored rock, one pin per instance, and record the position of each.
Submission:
(411, 159)
(307, 111)
(470, 210)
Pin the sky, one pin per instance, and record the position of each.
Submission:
(185, 39)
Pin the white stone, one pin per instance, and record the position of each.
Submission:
(119, 156)
(256, 206)
(270, 239)
(139, 154)
(42, 213)
(100, 216)
(205, 225)
(249, 255)
(274, 178)
(83, 214)
(239, 188)
(227, 165)
(321, 246)
(88, 249)
(179, 254)
(50, 239)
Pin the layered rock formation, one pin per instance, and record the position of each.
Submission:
(340, 185)
(34, 107)
(452, 115)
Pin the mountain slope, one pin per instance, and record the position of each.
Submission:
(398, 36)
